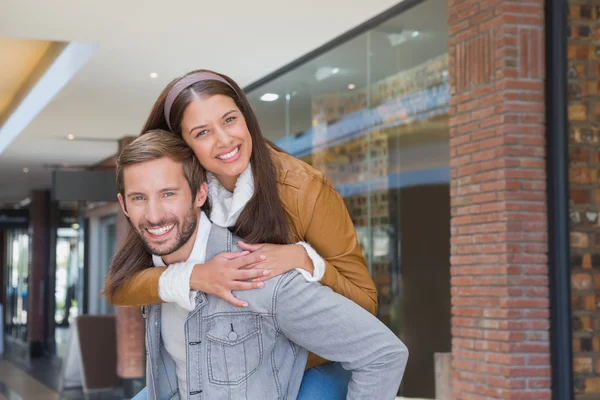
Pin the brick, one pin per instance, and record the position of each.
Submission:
(581, 281)
(582, 365)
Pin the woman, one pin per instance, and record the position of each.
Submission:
(266, 196)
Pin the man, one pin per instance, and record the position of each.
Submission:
(219, 351)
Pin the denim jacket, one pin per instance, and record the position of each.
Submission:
(260, 352)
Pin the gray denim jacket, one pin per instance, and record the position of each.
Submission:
(260, 352)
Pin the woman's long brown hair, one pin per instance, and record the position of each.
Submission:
(263, 220)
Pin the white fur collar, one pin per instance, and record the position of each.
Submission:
(226, 207)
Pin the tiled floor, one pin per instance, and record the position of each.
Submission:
(17, 384)
(42, 381)
(23, 379)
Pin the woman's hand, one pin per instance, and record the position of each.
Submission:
(229, 271)
(279, 258)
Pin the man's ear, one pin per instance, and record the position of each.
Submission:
(122, 202)
(201, 195)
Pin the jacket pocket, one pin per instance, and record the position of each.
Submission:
(234, 349)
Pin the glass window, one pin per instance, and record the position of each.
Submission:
(17, 262)
(372, 115)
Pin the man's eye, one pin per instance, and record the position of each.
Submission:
(138, 198)
(169, 194)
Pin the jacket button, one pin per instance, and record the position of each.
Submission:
(232, 335)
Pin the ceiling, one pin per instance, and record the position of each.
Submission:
(15, 70)
(109, 91)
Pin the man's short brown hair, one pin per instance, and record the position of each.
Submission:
(156, 144)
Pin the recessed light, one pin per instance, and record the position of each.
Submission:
(26, 170)
(269, 97)
(153, 75)
(351, 86)
(335, 70)
(70, 137)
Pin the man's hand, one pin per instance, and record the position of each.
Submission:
(227, 272)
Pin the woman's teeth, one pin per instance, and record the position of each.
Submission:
(160, 231)
(229, 155)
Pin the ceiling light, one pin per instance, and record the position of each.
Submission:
(397, 39)
(351, 86)
(153, 75)
(26, 170)
(75, 226)
(269, 97)
(70, 137)
(325, 72)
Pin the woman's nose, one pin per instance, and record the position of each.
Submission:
(223, 138)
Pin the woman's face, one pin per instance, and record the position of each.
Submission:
(215, 128)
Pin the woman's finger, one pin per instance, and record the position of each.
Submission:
(247, 285)
(273, 272)
(231, 299)
(246, 260)
(248, 274)
(260, 265)
(234, 255)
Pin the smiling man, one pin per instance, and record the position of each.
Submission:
(220, 351)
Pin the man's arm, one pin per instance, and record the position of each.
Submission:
(335, 328)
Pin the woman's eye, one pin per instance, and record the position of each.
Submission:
(201, 133)
(229, 120)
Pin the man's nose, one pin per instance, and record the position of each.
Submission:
(154, 212)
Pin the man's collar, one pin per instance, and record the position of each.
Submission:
(199, 250)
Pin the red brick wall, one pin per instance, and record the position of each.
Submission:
(500, 300)
(584, 135)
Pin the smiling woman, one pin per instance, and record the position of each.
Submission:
(222, 143)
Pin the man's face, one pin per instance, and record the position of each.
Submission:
(158, 202)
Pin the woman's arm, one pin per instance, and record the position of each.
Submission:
(219, 276)
(141, 289)
(326, 225)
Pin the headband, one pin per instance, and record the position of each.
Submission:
(185, 83)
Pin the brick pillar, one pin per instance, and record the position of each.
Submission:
(500, 299)
(130, 324)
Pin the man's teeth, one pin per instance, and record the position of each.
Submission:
(229, 155)
(160, 231)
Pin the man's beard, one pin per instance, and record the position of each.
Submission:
(185, 231)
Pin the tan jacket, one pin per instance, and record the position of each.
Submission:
(318, 216)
